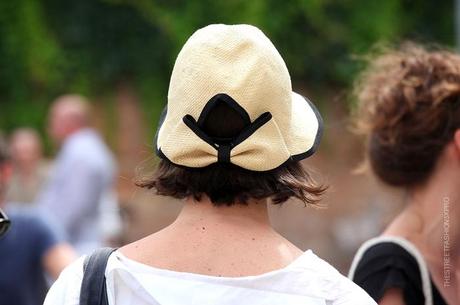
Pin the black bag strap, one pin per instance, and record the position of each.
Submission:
(93, 288)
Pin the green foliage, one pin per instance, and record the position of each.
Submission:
(51, 47)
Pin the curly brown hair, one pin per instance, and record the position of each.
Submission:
(408, 109)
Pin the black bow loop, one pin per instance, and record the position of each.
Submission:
(224, 146)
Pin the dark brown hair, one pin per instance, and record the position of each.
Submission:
(408, 109)
(227, 184)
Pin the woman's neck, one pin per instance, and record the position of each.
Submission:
(431, 221)
(204, 213)
(228, 241)
(437, 235)
(432, 213)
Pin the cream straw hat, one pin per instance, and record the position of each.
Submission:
(237, 65)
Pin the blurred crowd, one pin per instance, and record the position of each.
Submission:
(56, 207)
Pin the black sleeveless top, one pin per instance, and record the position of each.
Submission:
(388, 265)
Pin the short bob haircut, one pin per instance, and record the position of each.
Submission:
(228, 184)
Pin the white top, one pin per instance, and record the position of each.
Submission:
(308, 281)
(80, 182)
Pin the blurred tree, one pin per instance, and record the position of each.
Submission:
(30, 62)
(49, 47)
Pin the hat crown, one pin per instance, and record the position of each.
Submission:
(239, 66)
(238, 60)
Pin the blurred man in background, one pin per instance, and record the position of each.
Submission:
(27, 251)
(30, 171)
(83, 174)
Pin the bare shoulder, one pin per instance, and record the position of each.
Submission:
(147, 247)
(210, 254)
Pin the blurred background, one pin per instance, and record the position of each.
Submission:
(120, 53)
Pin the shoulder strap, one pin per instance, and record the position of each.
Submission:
(410, 248)
(93, 288)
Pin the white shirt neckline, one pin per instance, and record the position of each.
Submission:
(135, 266)
(306, 280)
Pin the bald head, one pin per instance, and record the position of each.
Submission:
(69, 113)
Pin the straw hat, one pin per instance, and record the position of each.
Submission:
(237, 65)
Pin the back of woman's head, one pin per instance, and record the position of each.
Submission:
(227, 184)
(408, 108)
(233, 130)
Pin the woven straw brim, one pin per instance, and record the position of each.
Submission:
(290, 135)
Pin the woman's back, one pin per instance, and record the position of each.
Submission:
(308, 280)
(230, 141)
(217, 241)
(215, 255)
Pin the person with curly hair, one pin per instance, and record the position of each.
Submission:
(409, 112)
